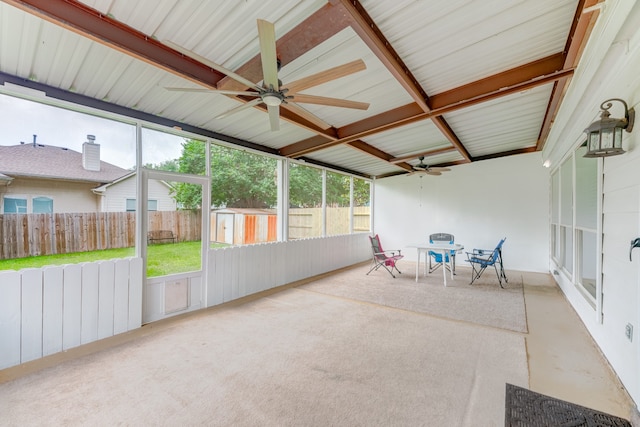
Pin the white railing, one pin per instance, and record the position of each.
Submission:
(48, 310)
(238, 271)
(52, 309)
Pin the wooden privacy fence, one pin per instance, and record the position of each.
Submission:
(23, 235)
(307, 222)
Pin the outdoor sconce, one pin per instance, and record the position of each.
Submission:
(604, 137)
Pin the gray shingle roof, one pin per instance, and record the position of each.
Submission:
(51, 162)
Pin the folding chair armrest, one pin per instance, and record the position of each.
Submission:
(482, 251)
(479, 255)
(392, 252)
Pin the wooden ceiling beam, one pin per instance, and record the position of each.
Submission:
(500, 82)
(375, 152)
(583, 22)
(313, 31)
(88, 22)
(446, 130)
(520, 78)
(427, 153)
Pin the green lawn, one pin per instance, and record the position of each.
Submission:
(161, 260)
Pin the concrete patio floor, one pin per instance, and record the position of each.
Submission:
(563, 360)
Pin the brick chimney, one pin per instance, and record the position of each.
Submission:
(91, 154)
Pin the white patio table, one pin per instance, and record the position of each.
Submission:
(443, 248)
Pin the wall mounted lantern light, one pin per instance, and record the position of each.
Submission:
(604, 137)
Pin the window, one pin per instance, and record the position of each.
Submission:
(586, 221)
(566, 216)
(338, 202)
(555, 215)
(42, 205)
(152, 205)
(362, 205)
(14, 205)
(574, 221)
(305, 201)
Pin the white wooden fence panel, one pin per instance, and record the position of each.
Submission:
(281, 264)
(72, 306)
(214, 293)
(31, 314)
(227, 278)
(236, 258)
(106, 291)
(135, 293)
(238, 271)
(90, 302)
(10, 317)
(52, 310)
(257, 277)
(238, 266)
(121, 296)
(195, 293)
(216, 265)
(263, 280)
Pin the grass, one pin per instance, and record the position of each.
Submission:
(161, 259)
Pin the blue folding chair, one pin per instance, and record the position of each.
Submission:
(436, 257)
(480, 259)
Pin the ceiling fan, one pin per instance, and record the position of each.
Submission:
(272, 93)
(424, 168)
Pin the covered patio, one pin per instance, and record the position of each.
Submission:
(455, 117)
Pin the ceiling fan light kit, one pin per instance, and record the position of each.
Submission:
(272, 94)
(426, 169)
(272, 99)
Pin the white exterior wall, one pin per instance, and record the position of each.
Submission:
(609, 69)
(67, 196)
(116, 195)
(478, 203)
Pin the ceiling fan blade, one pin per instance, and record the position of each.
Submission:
(327, 76)
(274, 116)
(240, 108)
(440, 169)
(267, 36)
(211, 64)
(306, 115)
(333, 102)
(429, 172)
(223, 92)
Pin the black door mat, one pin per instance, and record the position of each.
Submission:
(525, 408)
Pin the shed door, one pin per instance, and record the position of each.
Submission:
(224, 227)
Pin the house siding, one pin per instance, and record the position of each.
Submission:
(67, 196)
(609, 71)
(116, 195)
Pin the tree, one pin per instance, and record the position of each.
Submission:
(305, 186)
(242, 179)
(238, 178)
(167, 165)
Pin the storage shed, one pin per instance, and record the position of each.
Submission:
(240, 226)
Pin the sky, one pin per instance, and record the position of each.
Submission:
(20, 119)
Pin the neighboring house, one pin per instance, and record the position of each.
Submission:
(37, 178)
(119, 195)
